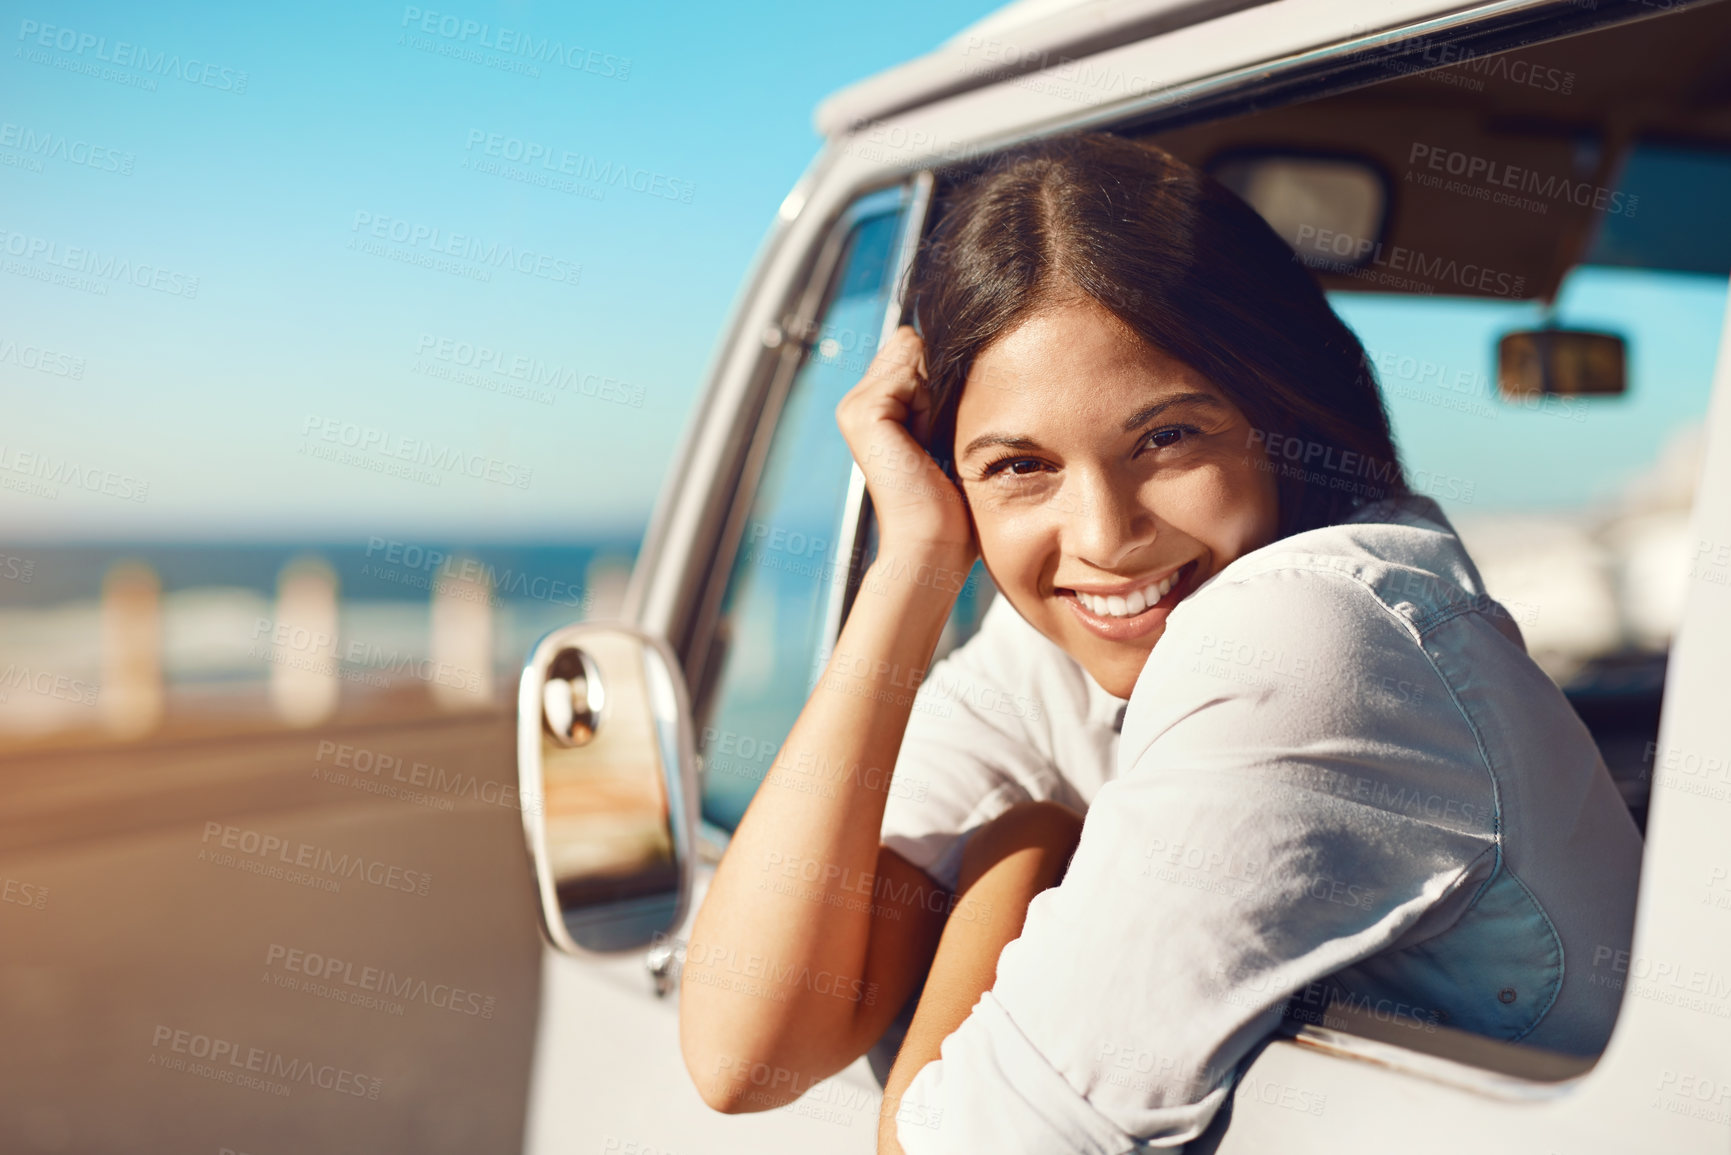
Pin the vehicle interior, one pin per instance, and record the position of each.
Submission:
(1452, 199)
(1575, 508)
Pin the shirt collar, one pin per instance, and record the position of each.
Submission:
(1104, 709)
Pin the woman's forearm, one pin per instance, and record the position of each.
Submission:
(1006, 863)
(800, 954)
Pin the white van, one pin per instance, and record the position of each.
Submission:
(1523, 207)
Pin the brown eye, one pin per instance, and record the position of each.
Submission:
(1171, 436)
(1011, 462)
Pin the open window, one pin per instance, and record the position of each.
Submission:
(1575, 188)
(806, 536)
(1457, 198)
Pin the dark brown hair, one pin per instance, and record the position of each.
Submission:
(1188, 266)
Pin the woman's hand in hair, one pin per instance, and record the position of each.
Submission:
(885, 420)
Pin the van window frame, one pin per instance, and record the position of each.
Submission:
(1507, 1072)
(792, 343)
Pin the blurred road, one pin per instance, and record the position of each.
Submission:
(248, 943)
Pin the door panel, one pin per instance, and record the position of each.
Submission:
(774, 609)
(635, 1089)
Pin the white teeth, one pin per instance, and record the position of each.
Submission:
(1117, 606)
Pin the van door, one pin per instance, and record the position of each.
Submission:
(796, 553)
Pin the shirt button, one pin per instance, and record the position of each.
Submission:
(1506, 995)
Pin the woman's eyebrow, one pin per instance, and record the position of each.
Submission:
(1149, 412)
(986, 439)
(1135, 421)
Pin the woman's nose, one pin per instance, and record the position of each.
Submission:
(1104, 523)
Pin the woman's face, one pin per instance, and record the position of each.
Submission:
(1103, 474)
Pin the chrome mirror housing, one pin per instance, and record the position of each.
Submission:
(607, 773)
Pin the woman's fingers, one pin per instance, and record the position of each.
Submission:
(885, 420)
(893, 380)
(921, 402)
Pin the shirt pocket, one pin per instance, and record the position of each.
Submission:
(1495, 972)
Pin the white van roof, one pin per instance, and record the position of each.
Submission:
(1023, 36)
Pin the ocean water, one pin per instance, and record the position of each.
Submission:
(209, 626)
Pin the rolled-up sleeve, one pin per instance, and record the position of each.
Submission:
(1261, 834)
(977, 742)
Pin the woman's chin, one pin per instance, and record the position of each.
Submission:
(1114, 665)
(1117, 672)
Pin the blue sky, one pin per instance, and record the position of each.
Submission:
(1435, 359)
(351, 120)
(318, 204)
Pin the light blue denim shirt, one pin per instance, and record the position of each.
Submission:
(1338, 767)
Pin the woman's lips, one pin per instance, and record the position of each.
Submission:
(1133, 626)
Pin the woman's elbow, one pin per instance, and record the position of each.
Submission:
(736, 1078)
(735, 1085)
(705, 1062)
(729, 1078)
(709, 1069)
(730, 1097)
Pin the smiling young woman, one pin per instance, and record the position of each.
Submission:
(1312, 753)
(1083, 415)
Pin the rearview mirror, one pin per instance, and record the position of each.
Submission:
(606, 770)
(1566, 361)
(1331, 210)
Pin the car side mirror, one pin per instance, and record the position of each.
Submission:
(1570, 362)
(607, 774)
